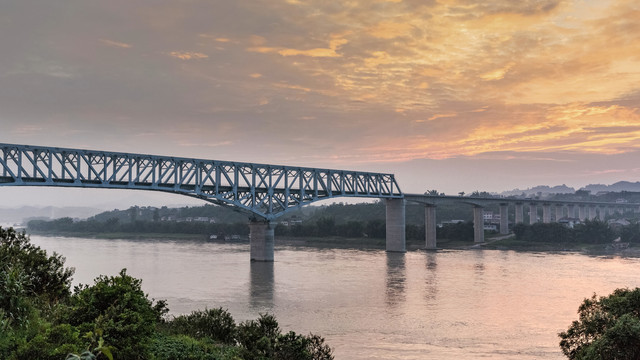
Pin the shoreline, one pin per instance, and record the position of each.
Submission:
(502, 243)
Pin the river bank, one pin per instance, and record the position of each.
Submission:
(493, 242)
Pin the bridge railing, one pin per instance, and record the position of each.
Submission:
(266, 190)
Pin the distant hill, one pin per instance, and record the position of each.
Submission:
(18, 215)
(620, 186)
(542, 189)
(617, 187)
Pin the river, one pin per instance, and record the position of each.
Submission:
(369, 304)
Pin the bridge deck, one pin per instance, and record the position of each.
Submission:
(267, 191)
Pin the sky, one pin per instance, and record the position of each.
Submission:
(452, 95)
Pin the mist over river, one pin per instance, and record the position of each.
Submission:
(369, 304)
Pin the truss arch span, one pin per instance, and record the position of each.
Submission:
(267, 191)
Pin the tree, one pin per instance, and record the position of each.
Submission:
(326, 226)
(262, 339)
(594, 232)
(216, 324)
(631, 233)
(44, 276)
(607, 328)
(118, 309)
(541, 232)
(462, 231)
(376, 229)
(582, 194)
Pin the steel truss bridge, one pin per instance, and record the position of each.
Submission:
(267, 191)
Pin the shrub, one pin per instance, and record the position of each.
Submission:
(216, 324)
(261, 339)
(541, 232)
(608, 328)
(42, 275)
(183, 347)
(257, 338)
(292, 346)
(118, 309)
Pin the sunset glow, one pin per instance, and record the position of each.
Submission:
(370, 83)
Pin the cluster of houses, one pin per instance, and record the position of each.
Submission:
(189, 219)
(492, 221)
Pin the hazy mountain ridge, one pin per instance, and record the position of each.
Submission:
(617, 187)
(564, 189)
(544, 189)
(18, 215)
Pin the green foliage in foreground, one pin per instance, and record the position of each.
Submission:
(40, 318)
(608, 328)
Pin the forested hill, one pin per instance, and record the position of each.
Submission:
(210, 218)
(340, 212)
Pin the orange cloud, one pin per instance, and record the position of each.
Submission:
(331, 51)
(456, 77)
(438, 116)
(390, 30)
(187, 55)
(116, 43)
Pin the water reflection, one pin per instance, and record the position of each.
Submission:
(431, 281)
(261, 287)
(396, 277)
(479, 265)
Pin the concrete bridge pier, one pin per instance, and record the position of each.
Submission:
(478, 224)
(559, 212)
(504, 218)
(519, 213)
(571, 211)
(592, 212)
(430, 227)
(396, 238)
(533, 213)
(602, 213)
(582, 213)
(546, 213)
(261, 234)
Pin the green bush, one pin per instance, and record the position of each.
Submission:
(608, 328)
(43, 276)
(118, 309)
(257, 338)
(50, 343)
(261, 339)
(462, 231)
(292, 346)
(184, 347)
(541, 232)
(594, 232)
(216, 324)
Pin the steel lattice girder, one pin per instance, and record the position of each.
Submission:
(268, 191)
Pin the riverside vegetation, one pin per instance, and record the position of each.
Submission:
(327, 232)
(608, 328)
(342, 225)
(42, 318)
